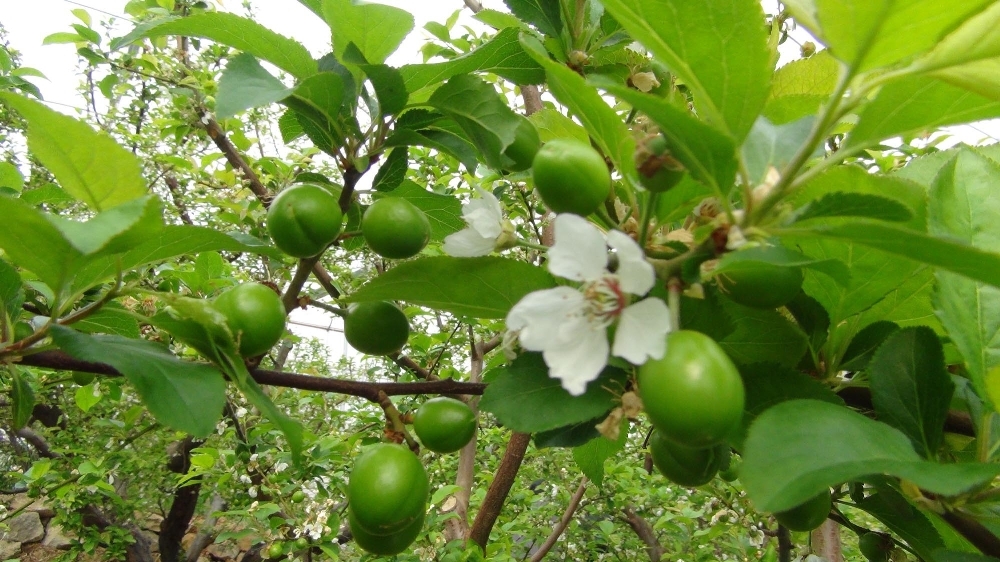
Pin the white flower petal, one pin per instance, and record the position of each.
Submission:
(540, 315)
(577, 364)
(580, 252)
(642, 331)
(635, 274)
(484, 214)
(467, 243)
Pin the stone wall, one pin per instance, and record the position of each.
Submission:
(33, 536)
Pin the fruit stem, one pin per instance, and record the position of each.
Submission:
(395, 420)
(647, 217)
(674, 298)
(532, 245)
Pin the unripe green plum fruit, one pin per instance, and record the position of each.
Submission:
(384, 545)
(255, 315)
(395, 228)
(762, 286)
(571, 177)
(808, 515)
(444, 425)
(526, 143)
(304, 219)
(376, 328)
(693, 395)
(687, 466)
(387, 489)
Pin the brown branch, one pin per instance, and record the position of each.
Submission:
(456, 528)
(974, 532)
(395, 421)
(532, 99)
(785, 545)
(955, 422)
(175, 196)
(645, 532)
(409, 364)
(325, 280)
(175, 525)
(567, 516)
(496, 495)
(206, 534)
(38, 442)
(60, 361)
(233, 156)
(291, 297)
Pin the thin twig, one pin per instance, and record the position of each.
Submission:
(567, 516)
(496, 495)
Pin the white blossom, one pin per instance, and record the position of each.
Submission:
(487, 228)
(569, 326)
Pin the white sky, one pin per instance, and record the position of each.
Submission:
(28, 22)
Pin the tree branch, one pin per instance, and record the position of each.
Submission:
(955, 422)
(498, 490)
(474, 5)
(567, 516)
(645, 532)
(233, 156)
(974, 532)
(60, 361)
(207, 532)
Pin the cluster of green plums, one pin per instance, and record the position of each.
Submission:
(388, 486)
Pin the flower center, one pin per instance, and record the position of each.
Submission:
(605, 299)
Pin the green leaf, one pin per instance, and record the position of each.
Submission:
(554, 125)
(942, 555)
(35, 244)
(482, 114)
(799, 88)
(245, 84)
(393, 171)
(707, 153)
(49, 193)
(572, 435)
(587, 105)
(781, 256)
(812, 319)
(486, 287)
(880, 33)
(768, 384)
(181, 395)
(974, 47)
(590, 457)
(62, 37)
(502, 55)
(801, 447)
(917, 104)
(440, 139)
(902, 518)
(389, 87)
(22, 398)
(110, 319)
(864, 344)
(11, 291)
(963, 208)
(86, 397)
(88, 164)
(317, 102)
(769, 145)
(943, 253)
(911, 388)
(543, 14)
(168, 242)
(443, 211)
(724, 59)
(841, 204)
(116, 230)
(11, 177)
(375, 29)
(524, 398)
(499, 20)
(237, 32)
(762, 336)
(874, 274)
